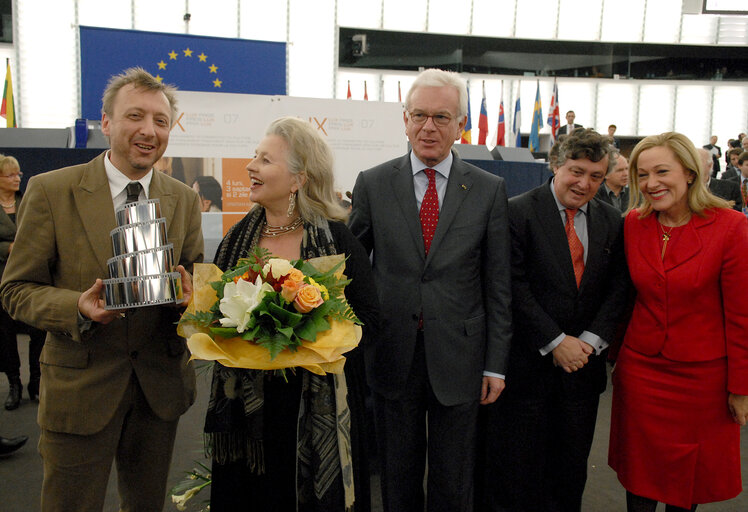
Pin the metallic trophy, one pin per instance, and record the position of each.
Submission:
(142, 272)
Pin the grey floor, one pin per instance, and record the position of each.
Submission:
(21, 472)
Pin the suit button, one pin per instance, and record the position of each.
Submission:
(134, 354)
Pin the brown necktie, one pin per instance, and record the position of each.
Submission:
(133, 191)
(429, 210)
(575, 246)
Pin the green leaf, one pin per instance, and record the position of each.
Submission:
(306, 330)
(201, 318)
(285, 316)
(225, 332)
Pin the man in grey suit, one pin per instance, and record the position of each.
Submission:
(113, 384)
(569, 289)
(437, 230)
(726, 189)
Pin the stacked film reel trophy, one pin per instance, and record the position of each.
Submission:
(142, 272)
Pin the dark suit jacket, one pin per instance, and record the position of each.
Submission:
(545, 298)
(62, 246)
(602, 195)
(562, 129)
(462, 287)
(731, 173)
(729, 190)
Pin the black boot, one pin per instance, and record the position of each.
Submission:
(9, 445)
(14, 393)
(33, 389)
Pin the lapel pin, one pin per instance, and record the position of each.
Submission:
(463, 186)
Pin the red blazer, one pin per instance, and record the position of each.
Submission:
(693, 307)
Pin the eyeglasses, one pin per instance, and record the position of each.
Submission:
(18, 175)
(421, 118)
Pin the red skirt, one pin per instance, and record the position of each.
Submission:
(672, 437)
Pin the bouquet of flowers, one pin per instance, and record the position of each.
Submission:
(270, 314)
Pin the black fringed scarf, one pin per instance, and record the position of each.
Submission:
(234, 421)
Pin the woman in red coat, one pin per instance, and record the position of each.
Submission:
(681, 378)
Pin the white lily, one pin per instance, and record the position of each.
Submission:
(278, 267)
(239, 299)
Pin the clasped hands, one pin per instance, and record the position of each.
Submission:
(91, 304)
(571, 354)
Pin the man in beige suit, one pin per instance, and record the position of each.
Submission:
(113, 384)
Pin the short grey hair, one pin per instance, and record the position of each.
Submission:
(440, 78)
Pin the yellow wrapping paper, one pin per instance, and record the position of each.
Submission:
(325, 355)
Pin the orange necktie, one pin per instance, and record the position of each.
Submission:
(575, 246)
(429, 210)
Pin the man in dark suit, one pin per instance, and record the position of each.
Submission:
(726, 189)
(716, 153)
(114, 384)
(437, 229)
(614, 189)
(569, 290)
(570, 125)
(732, 172)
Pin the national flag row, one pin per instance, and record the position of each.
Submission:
(553, 120)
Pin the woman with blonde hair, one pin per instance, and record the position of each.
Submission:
(281, 445)
(680, 384)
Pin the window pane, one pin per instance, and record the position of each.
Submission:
(311, 49)
(616, 104)
(264, 21)
(449, 16)
(655, 109)
(354, 13)
(214, 18)
(162, 16)
(662, 24)
(699, 29)
(574, 25)
(536, 19)
(623, 21)
(493, 18)
(692, 109)
(407, 16)
(112, 14)
(729, 112)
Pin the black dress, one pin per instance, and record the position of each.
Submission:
(236, 487)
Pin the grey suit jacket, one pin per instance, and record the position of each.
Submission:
(61, 248)
(462, 287)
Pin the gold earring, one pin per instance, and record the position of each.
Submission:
(291, 203)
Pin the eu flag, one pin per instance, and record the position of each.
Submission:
(192, 63)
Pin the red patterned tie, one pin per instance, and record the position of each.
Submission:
(429, 210)
(575, 246)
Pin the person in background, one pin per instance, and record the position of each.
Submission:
(569, 292)
(114, 383)
(614, 189)
(716, 153)
(280, 445)
(680, 384)
(211, 194)
(611, 135)
(570, 125)
(10, 200)
(726, 189)
(438, 231)
(732, 172)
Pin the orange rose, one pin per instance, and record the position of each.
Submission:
(295, 275)
(307, 298)
(290, 288)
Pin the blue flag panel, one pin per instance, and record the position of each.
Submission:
(192, 63)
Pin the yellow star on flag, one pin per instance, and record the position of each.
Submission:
(213, 68)
(172, 55)
(202, 57)
(217, 83)
(187, 52)
(159, 78)
(162, 65)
